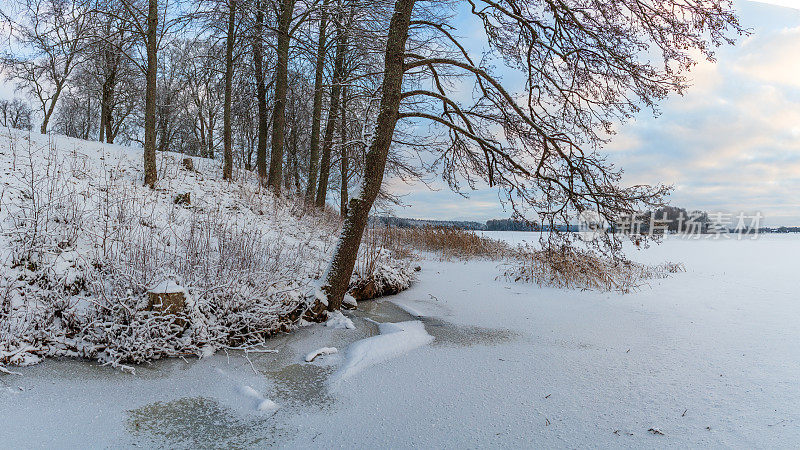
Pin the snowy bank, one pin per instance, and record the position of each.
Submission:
(83, 244)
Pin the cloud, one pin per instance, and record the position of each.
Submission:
(795, 4)
(731, 143)
(773, 58)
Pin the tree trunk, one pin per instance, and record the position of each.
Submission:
(291, 147)
(107, 106)
(344, 159)
(261, 93)
(88, 130)
(274, 179)
(338, 276)
(49, 112)
(150, 170)
(295, 159)
(202, 132)
(163, 118)
(330, 125)
(109, 120)
(227, 166)
(103, 115)
(316, 116)
(210, 135)
(109, 124)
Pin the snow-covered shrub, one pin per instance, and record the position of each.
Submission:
(381, 269)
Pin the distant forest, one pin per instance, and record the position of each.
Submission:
(490, 225)
(669, 217)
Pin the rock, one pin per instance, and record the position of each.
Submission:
(188, 164)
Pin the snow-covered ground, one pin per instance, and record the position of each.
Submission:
(709, 357)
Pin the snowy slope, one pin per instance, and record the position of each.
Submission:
(83, 241)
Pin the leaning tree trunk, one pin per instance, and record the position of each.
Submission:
(338, 276)
(316, 115)
(261, 93)
(150, 171)
(344, 159)
(330, 125)
(281, 85)
(227, 166)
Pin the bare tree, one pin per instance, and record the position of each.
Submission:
(78, 109)
(285, 14)
(112, 71)
(173, 121)
(316, 118)
(261, 89)
(298, 111)
(49, 39)
(201, 72)
(342, 33)
(230, 41)
(344, 160)
(584, 70)
(15, 114)
(149, 22)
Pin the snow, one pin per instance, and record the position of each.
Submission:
(321, 352)
(396, 339)
(349, 301)
(8, 372)
(168, 286)
(708, 358)
(206, 351)
(338, 320)
(262, 403)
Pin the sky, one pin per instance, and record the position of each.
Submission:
(731, 143)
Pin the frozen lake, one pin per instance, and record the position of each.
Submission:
(709, 357)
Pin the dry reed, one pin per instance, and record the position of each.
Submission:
(562, 266)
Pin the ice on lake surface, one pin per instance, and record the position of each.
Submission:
(709, 357)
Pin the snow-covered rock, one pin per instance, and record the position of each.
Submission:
(321, 352)
(338, 320)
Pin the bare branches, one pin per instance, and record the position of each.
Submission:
(48, 43)
(585, 67)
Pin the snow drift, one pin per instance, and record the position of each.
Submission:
(396, 339)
